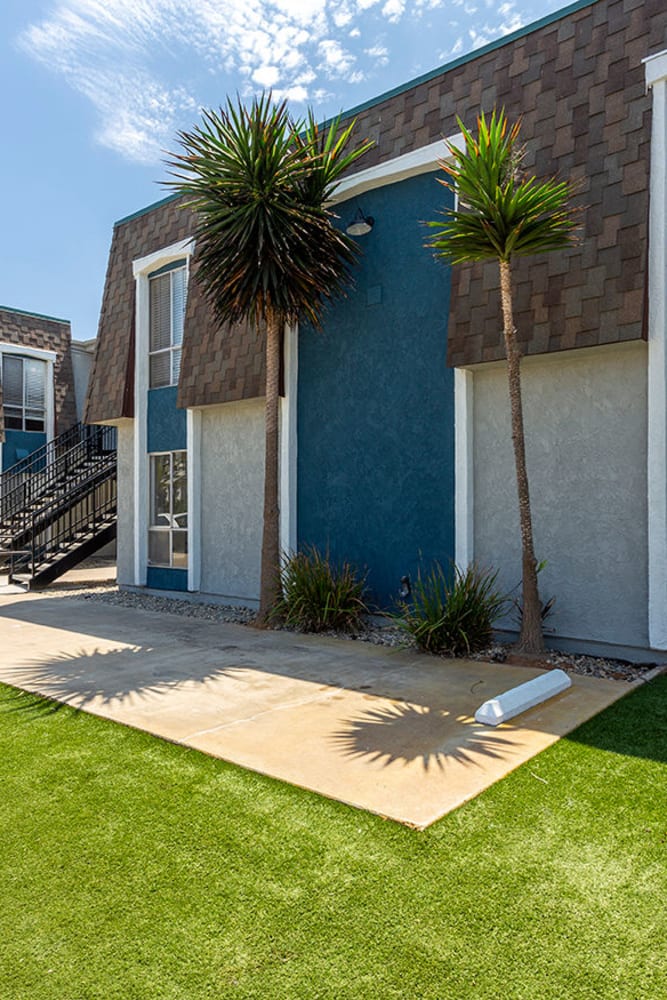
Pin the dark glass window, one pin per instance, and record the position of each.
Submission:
(168, 528)
(167, 294)
(24, 393)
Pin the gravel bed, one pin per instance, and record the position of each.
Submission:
(373, 632)
(110, 594)
(572, 663)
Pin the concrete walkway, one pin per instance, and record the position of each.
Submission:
(384, 730)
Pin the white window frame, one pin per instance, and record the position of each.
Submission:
(423, 160)
(173, 348)
(170, 529)
(142, 267)
(38, 354)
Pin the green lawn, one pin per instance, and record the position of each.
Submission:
(131, 868)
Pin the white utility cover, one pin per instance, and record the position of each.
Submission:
(520, 699)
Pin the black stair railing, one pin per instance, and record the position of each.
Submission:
(43, 456)
(62, 524)
(56, 469)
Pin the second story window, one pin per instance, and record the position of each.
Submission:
(168, 289)
(24, 393)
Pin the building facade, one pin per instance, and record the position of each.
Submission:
(38, 395)
(395, 443)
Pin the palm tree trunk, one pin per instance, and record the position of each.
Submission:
(269, 588)
(531, 639)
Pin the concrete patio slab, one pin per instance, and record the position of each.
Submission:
(89, 573)
(384, 730)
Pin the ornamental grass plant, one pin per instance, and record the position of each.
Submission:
(318, 594)
(452, 613)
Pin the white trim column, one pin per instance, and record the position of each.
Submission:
(141, 268)
(288, 442)
(141, 486)
(194, 436)
(656, 79)
(463, 468)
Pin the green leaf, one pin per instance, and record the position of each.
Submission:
(501, 212)
(260, 183)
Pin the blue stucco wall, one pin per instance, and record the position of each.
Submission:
(376, 401)
(164, 578)
(19, 444)
(166, 424)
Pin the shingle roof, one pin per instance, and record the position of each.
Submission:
(47, 334)
(578, 83)
(219, 363)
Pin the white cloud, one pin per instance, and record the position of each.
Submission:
(336, 61)
(144, 63)
(296, 94)
(393, 10)
(266, 76)
(107, 49)
(139, 117)
(379, 54)
(343, 15)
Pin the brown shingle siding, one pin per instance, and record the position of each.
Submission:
(43, 333)
(218, 364)
(578, 84)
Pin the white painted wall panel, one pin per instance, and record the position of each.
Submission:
(586, 430)
(82, 360)
(125, 529)
(232, 484)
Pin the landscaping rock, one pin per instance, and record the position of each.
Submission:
(377, 632)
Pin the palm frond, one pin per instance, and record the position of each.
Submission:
(501, 213)
(259, 182)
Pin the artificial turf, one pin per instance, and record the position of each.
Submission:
(132, 868)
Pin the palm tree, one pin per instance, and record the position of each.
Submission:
(501, 214)
(268, 251)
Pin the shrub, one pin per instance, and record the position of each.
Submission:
(452, 613)
(318, 595)
(546, 607)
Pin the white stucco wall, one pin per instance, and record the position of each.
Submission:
(586, 431)
(232, 485)
(82, 360)
(125, 528)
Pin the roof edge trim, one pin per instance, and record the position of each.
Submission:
(34, 315)
(147, 208)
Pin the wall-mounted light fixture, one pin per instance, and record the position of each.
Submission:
(360, 225)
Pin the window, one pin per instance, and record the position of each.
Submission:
(24, 393)
(167, 291)
(168, 530)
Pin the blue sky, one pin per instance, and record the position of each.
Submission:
(94, 91)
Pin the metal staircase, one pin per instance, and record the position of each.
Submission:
(58, 505)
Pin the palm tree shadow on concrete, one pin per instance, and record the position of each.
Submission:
(101, 677)
(403, 733)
